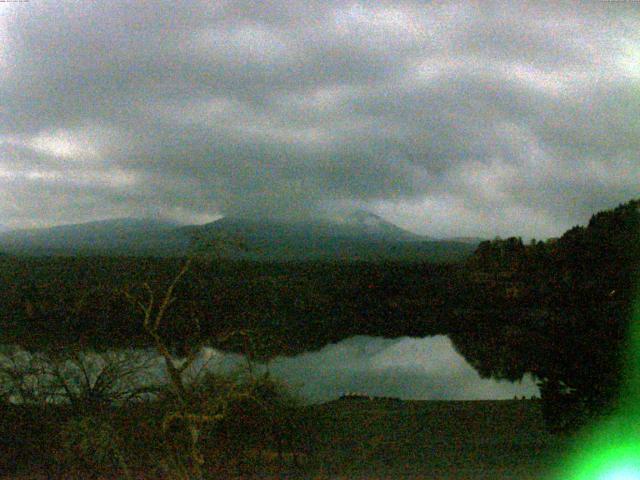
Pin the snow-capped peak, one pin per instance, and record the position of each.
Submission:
(363, 217)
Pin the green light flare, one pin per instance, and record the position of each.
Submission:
(610, 450)
(631, 393)
(628, 473)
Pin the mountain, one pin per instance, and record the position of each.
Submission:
(363, 223)
(123, 236)
(360, 225)
(358, 236)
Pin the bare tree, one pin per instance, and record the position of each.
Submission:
(191, 411)
(84, 380)
(89, 383)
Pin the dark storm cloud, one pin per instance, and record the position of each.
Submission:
(450, 119)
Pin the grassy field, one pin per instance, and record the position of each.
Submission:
(380, 439)
(436, 440)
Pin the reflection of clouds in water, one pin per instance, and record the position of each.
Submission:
(409, 368)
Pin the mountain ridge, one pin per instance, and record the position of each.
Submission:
(360, 236)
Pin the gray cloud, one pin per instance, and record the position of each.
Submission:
(449, 119)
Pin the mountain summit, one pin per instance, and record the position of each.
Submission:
(370, 224)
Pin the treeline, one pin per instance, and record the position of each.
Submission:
(291, 307)
(560, 310)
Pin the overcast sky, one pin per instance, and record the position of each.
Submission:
(447, 119)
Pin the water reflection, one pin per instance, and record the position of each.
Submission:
(409, 368)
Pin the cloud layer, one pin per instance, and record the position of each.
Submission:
(447, 118)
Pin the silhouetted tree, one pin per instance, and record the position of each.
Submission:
(558, 310)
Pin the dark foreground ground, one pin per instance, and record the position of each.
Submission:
(438, 440)
(380, 439)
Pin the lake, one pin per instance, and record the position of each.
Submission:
(407, 368)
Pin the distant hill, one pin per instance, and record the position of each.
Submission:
(359, 236)
(124, 236)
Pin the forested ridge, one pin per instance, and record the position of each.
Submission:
(300, 306)
(559, 309)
